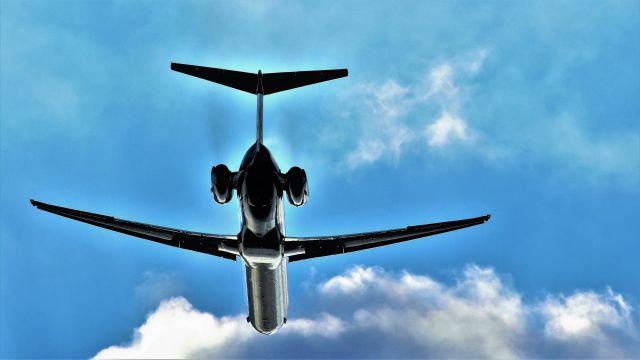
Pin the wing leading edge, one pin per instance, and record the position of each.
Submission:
(310, 247)
(224, 246)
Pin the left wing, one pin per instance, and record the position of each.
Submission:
(305, 248)
(225, 246)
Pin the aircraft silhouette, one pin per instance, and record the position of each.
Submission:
(260, 185)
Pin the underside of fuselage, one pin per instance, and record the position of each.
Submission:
(261, 246)
(267, 297)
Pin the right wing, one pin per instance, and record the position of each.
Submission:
(225, 246)
(311, 247)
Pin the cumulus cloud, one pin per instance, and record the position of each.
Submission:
(590, 323)
(176, 330)
(478, 316)
(355, 281)
(403, 315)
(325, 325)
(584, 314)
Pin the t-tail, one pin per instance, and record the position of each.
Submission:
(260, 84)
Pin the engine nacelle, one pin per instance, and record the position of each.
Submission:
(221, 184)
(296, 185)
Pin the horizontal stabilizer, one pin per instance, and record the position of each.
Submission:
(236, 79)
(271, 82)
(275, 82)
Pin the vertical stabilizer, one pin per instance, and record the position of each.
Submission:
(259, 95)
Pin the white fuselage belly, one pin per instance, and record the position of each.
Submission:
(267, 295)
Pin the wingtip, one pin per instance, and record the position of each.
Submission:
(487, 217)
(35, 203)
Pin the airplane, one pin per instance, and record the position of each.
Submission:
(260, 187)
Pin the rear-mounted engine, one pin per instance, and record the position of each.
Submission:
(221, 184)
(296, 185)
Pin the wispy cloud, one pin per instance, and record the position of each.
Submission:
(602, 156)
(477, 315)
(393, 111)
(157, 286)
(445, 129)
(385, 133)
(440, 113)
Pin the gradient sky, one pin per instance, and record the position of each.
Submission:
(529, 112)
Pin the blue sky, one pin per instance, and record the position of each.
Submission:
(451, 110)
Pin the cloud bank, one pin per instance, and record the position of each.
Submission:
(371, 312)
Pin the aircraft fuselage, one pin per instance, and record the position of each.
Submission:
(261, 246)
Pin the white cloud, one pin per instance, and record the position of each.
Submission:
(363, 281)
(595, 323)
(394, 110)
(441, 81)
(326, 325)
(477, 317)
(383, 128)
(396, 118)
(481, 316)
(389, 98)
(474, 64)
(176, 330)
(355, 281)
(584, 314)
(414, 315)
(445, 129)
(367, 152)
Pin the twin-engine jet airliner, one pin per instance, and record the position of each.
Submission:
(260, 187)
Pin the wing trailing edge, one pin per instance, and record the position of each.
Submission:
(310, 247)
